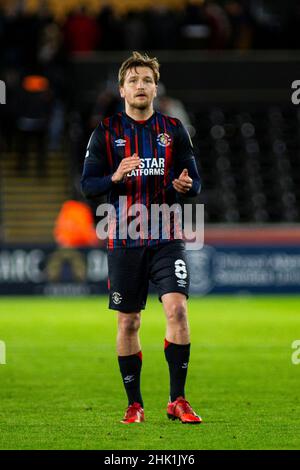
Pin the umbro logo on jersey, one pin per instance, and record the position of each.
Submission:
(120, 142)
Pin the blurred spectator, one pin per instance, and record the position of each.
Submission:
(172, 107)
(74, 226)
(111, 28)
(269, 23)
(81, 31)
(293, 25)
(21, 34)
(219, 25)
(77, 139)
(162, 27)
(200, 24)
(195, 30)
(52, 55)
(34, 108)
(9, 112)
(51, 50)
(2, 34)
(14, 36)
(108, 102)
(134, 31)
(240, 24)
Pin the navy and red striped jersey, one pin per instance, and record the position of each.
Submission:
(165, 149)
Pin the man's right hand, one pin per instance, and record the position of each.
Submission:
(126, 166)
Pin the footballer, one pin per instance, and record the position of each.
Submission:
(148, 158)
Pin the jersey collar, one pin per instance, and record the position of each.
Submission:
(137, 123)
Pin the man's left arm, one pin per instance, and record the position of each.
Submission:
(188, 182)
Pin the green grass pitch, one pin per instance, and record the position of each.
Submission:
(61, 389)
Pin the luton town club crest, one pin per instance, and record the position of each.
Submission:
(163, 139)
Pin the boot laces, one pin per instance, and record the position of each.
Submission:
(132, 409)
(184, 406)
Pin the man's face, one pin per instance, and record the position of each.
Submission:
(139, 88)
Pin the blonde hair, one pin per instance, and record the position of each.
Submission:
(139, 60)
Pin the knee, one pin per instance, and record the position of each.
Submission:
(129, 323)
(177, 313)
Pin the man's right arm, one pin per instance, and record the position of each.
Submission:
(95, 181)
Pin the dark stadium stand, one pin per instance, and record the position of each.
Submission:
(249, 162)
(30, 204)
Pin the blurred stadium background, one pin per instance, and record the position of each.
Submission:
(226, 71)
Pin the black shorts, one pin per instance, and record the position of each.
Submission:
(130, 269)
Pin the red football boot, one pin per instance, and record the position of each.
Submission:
(182, 410)
(134, 414)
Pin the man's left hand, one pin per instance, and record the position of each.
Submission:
(184, 183)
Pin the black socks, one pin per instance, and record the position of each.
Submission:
(130, 368)
(177, 356)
